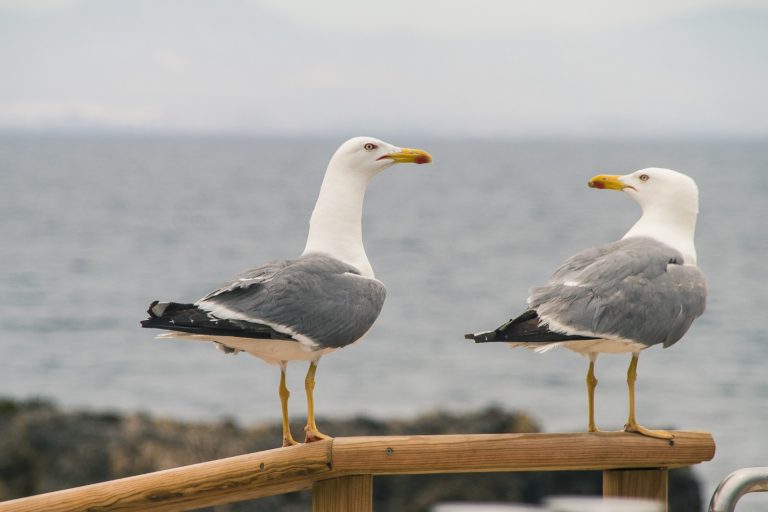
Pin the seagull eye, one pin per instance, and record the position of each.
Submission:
(644, 177)
(370, 146)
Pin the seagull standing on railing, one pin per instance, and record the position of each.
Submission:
(304, 308)
(626, 296)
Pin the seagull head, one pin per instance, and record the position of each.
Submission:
(670, 204)
(370, 156)
(654, 188)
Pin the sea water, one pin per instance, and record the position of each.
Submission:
(93, 228)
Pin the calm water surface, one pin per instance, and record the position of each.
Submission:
(92, 229)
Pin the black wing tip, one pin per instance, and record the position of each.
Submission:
(160, 314)
(151, 310)
(154, 322)
(482, 337)
(181, 317)
(154, 313)
(526, 328)
(158, 309)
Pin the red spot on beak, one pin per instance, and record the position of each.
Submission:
(597, 184)
(422, 159)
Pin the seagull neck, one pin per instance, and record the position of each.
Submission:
(335, 227)
(675, 229)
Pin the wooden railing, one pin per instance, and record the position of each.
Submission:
(340, 471)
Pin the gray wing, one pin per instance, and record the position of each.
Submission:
(636, 289)
(314, 298)
(251, 277)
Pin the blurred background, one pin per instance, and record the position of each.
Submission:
(151, 149)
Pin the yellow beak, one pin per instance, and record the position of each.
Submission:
(410, 156)
(609, 181)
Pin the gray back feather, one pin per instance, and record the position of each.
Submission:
(636, 289)
(315, 295)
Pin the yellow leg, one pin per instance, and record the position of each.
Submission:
(284, 394)
(591, 385)
(309, 385)
(632, 425)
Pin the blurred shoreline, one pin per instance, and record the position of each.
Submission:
(44, 448)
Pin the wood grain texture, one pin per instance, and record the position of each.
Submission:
(221, 481)
(344, 494)
(295, 468)
(650, 484)
(517, 452)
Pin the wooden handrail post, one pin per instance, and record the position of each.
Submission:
(650, 484)
(343, 494)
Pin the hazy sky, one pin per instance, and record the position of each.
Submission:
(497, 68)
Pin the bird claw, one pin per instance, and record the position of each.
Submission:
(289, 441)
(314, 436)
(639, 429)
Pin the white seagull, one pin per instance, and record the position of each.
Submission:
(625, 296)
(304, 308)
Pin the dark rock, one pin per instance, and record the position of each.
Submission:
(43, 449)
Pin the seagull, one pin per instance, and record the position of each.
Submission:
(303, 308)
(625, 296)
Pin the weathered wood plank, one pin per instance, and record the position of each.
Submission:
(517, 452)
(221, 481)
